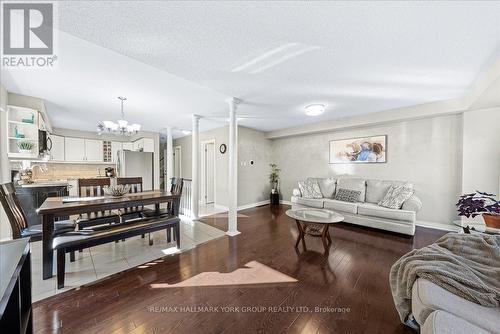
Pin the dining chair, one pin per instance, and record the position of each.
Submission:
(175, 188)
(17, 217)
(135, 184)
(94, 187)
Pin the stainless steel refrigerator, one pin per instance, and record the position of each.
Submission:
(136, 164)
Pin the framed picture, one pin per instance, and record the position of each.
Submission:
(359, 150)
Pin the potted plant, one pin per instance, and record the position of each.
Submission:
(274, 177)
(25, 146)
(480, 203)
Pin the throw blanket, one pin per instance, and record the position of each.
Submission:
(468, 265)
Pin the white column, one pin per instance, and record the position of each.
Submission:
(169, 159)
(195, 183)
(233, 169)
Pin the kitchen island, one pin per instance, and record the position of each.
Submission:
(31, 196)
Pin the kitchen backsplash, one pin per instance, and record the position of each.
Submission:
(68, 171)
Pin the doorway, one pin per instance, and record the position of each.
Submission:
(208, 171)
(176, 172)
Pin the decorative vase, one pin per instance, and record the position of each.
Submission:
(491, 220)
(25, 151)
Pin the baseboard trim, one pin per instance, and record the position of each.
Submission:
(243, 207)
(232, 233)
(285, 202)
(437, 226)
(253, 205)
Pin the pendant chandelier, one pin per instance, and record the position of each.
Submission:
(121, 126)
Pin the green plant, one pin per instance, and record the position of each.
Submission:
(274, 176)
(474, 204)
(25, 145)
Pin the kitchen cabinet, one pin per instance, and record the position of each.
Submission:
(144, 145)
(115, 147)
(74, 149)
(93, 150)
(57, 151)
(128, 146)
(149, 145)
(137, 145)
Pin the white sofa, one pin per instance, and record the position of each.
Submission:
(365, 211)
(437, 310)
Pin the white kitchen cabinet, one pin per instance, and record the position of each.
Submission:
(57, 151)
(144, 145)
(93, 150)
(128, 146)
(74, 149)
(138, 145)
(115, 147)
(149, 145)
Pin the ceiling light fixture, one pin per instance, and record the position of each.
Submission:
(121, 126)
(315, 109)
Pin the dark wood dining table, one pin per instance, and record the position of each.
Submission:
(54, 207)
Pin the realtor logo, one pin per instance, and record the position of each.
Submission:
(28, 29)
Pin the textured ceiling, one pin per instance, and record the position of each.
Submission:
(356, 57)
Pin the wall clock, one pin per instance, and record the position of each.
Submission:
(222, 148)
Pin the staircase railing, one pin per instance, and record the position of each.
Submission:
(185, 205)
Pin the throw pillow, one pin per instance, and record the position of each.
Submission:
(396, 196)
(347, 195)
(310, 189)
(326, 185)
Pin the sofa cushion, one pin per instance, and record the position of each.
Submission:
(376, 189)
(396, 196)
(353, 184)
(428, 297)
(335, 205)
(310, 189)
(326, 185)
(347, 195)
(312, 202)
(441, 322)
(374, 210)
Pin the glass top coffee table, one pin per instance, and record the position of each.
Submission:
(314, 222)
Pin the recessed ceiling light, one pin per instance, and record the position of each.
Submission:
(315, 109)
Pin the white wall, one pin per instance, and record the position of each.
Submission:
(221, 136)
(253, 180)
(427, 152)
(253, 185)
(481, 151)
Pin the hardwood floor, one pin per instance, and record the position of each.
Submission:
(354, 276)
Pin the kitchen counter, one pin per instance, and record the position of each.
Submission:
(45, 184)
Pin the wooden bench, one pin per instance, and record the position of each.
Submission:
(71, 242)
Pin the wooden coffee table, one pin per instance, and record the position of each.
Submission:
(314, 222)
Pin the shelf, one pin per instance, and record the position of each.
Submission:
(23, 156)
(23, 123)
(15, 138)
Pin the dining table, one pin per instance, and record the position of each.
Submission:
(55, 207)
